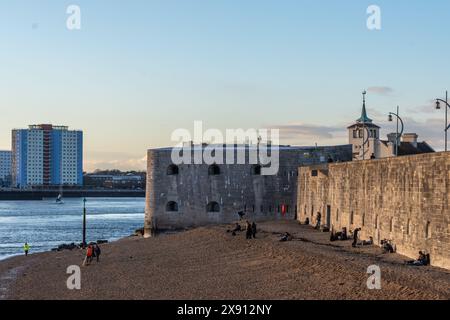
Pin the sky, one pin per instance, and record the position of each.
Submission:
(138, 70)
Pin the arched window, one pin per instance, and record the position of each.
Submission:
(337, 215)
(363, 219)
(391, 225)
(351, 217)
(172, 170)
(214, 170)
(256, 170)
(172, 206)
(213, 207)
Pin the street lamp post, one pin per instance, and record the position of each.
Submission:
(84, 222)
(365, 141)
(397, 135)
(447, 125)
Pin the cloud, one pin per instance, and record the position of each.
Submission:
(382, 91)
(428, 107)
(430, 130)
(309, 134)
(114, 160)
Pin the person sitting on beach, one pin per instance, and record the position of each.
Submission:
(421, 261)
(286, 237)
(254, 230)
(248, 233)
(344, 235)
(97, 252)
(387, 246)
(26, 248)
(237, 228)
(368, 242)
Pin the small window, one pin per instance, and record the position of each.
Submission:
(391, 225)
(351, 217)
(213, 207)
(408, 227)
(428, 230)
(363, 219)
(337, 215)
(214, 170)
(172, 170)
(256, 170)
(314, 173)
(172, 206)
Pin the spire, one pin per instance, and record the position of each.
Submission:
(364, 118)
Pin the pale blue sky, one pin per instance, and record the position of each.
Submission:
(137, 70)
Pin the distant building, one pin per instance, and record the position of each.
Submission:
(47, 155)
(111, 181)
(364, 136)
(5, 168)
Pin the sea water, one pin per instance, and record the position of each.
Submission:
(46, 224)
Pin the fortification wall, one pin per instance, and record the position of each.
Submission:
(236, 188)
(404, 199)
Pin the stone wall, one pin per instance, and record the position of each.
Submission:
(404, 199)
(236, 188)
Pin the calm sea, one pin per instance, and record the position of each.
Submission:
(45, 224)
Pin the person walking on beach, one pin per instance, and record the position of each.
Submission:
(254, 230)
(355, 237)
(97, 252)
(248, 232)
(26, 248)
(89, 253)
(318, 218)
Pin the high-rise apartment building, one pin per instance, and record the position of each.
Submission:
(47, 155)
(5, 168)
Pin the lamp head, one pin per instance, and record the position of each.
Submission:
(390, 118)
(438, 105)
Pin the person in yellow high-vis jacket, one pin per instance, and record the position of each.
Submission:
(26, 248)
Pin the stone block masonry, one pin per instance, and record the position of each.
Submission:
(192, 195)
(404, 199)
